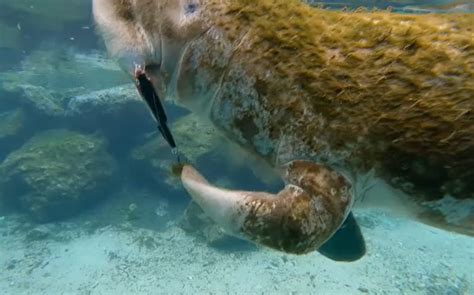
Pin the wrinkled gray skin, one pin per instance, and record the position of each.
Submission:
(185, 57)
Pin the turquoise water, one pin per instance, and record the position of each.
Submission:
(89, 204)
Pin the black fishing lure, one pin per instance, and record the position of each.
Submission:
(149, 95)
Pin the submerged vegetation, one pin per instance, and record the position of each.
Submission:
(57, 173)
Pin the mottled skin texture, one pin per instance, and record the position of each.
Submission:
(366, 90)
(279, 218)
(347, 91)
(297, 220)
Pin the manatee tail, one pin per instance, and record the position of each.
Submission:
(299, 219)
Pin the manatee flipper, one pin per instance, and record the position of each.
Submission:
(300, 218)
(347, 244)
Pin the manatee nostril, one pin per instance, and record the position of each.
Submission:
(190, 8)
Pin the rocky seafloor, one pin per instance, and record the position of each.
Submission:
(89, 203)
(92, 256)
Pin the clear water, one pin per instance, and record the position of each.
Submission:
(88, 205)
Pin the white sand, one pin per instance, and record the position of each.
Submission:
(403, 256)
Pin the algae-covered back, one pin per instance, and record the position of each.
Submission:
(371, 89)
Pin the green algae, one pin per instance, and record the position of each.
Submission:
(391, 86)
(56, 173)
(11, 123)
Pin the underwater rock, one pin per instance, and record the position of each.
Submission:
(112, 105)
(451, 212)
(56, 174)
(111, 100)
(11, 123)
(117, 111)
(12, 126)
(194, 138)
(49, 78)
(41, 100)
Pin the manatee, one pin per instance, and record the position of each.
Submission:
(324, 98)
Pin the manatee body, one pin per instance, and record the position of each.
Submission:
(322, 96)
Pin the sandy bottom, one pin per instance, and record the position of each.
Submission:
(78, 257)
